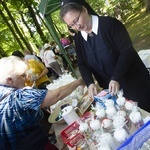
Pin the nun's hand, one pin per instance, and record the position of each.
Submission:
(92, 91)
(113, 87)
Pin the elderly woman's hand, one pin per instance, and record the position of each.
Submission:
(113, 87)
(81, 82)
(92, 91)
(34, 77)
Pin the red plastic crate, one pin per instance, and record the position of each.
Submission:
(74, 140)
(71, 135)
(67, 132)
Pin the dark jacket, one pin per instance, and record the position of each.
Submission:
(129, 70)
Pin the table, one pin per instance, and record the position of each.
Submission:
(60, 127)
(145, 57)
(84, 104)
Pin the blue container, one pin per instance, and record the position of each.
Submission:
(136, 141)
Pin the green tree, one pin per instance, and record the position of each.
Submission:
(2, 52)
(22, 24)
(36, 23)
(11, 29)
(16, 27)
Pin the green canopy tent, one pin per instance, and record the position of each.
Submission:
(47, 7)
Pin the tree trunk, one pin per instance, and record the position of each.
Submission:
(2, 53)
(147, 5)
(26, 24)
(43, 21)
(16, 27)
(37, 25)
(11, 29)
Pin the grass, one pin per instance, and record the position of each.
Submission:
(138, 26)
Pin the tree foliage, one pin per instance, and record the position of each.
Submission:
(23, 27)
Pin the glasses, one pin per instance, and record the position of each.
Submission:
(24, 75)
(76, 20)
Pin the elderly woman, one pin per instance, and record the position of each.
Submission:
(20, 107)
(104, 49)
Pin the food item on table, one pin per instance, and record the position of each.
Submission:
(129, 105)
(120, 100)
(121, 113)
(119, 122)
(85, 129)
(120, 134)
(95, 124)
(111, 111)
(100, 113)
(136, 118)
(106, 123)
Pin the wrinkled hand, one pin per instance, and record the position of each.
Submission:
(34, 77)
(92, 91)
(113, 87)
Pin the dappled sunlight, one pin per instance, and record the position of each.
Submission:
(138, 27)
